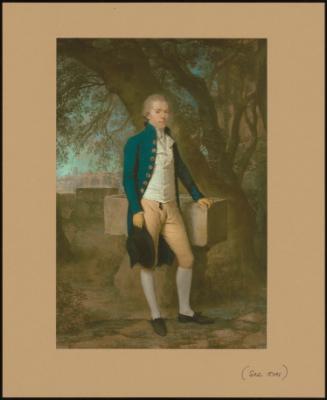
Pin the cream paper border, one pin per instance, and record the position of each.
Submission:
(32, 364)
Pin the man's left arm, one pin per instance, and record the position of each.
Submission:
(187, 180)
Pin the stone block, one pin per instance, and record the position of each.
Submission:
(115, 215)
(204, 227)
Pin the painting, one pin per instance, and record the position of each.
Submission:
(210, 96)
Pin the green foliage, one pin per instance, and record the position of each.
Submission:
(88, 116)
(80, 99)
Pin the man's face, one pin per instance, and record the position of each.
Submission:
(158, 114)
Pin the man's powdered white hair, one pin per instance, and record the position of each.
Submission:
(149, 101)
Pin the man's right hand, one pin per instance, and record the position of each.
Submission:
(138, 219)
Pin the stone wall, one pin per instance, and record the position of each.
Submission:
(69, 183)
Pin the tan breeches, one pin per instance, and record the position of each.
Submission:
(165, 218)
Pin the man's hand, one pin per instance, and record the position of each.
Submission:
(138, 219)
(205, 202)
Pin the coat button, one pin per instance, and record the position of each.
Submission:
(152, 158)
(150, 166)
(145, 182)
(142, 190)
(153, 150)
(154, 142)
(148, 175)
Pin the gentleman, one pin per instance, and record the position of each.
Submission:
(152, 165)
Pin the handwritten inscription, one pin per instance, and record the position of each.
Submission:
(250, 372)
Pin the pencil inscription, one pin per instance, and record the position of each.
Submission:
(250, 372)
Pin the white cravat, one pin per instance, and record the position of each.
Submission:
(162, 183)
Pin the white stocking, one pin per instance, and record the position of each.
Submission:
(183, 281)
(147, 281)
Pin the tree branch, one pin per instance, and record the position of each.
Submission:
(99, 122)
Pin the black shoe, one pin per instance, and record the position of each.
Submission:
(198, 318)
(159, 326)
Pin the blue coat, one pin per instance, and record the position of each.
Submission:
(139, 159)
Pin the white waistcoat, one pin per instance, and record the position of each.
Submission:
(161, 186)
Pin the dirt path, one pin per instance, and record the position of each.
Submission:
(247, 330)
